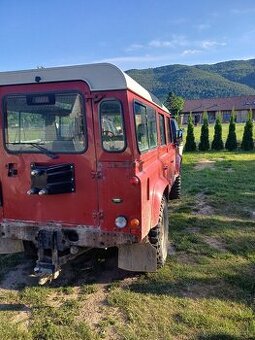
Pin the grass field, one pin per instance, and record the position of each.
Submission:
(205, 291)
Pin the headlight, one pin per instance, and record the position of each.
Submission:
(120, 222)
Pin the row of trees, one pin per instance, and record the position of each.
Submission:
(217, 143)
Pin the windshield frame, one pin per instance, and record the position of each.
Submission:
(39, 93)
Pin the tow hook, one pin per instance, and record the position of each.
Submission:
(45, 274)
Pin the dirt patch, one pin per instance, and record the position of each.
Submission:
(201, 206)
(96, 310)
(214, 242)
(204, 164)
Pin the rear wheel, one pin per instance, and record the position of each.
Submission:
(176, 189)
(158, 236)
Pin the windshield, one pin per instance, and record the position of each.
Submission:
(53, 121)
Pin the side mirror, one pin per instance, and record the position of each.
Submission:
(179, 136)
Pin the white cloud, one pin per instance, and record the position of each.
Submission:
(160, 43)
(128, 59)
(134, 47)
(208, 44)
(175, 41)
(190, 52)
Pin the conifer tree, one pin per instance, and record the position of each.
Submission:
(247, 141)
(231, 142)
(190, 144)
(217, 143)
(204, 137)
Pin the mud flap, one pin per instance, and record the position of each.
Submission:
(9, 246)
(138, 257)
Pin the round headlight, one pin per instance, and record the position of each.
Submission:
(120, 222)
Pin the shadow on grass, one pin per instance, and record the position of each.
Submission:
(220, 336)
(232, 287)
(13, 307)
(98, 266)
(202, 267)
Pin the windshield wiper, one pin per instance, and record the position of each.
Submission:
(46, 151)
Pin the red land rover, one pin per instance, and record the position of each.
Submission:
(89, 159)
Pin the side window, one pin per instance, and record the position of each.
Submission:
(141, 129)
(162, 130)
(174, 128)
(152, 127)
(168, 130)
(112, 126)
(146, 127)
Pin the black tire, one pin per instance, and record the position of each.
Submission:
(175, 192)
(30, 249)
(158, 236)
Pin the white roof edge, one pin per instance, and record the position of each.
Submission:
(98, 76)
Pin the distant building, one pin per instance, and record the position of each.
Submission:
(241, 105)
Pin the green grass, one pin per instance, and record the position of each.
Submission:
(206, 290)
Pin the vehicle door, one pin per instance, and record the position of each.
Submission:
(48, 154)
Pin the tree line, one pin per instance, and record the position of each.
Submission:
(231, 144)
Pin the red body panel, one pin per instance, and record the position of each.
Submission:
(100, 176)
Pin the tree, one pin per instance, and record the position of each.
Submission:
(204, 144)
(247, 141)
(190, 144)
(217, 143)
(231, 142)
(174, 104)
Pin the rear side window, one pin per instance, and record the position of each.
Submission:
(112, 126)
(162, 130)
(168, 128)
(146, 127)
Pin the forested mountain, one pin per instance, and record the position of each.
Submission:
(225, 79)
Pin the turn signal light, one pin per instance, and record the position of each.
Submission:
(134, 223)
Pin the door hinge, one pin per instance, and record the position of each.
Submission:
(98, 216)
(96, 174)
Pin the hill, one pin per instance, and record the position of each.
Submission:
(225, 79)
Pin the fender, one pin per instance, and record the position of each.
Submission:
(160, 188)
(178, 164)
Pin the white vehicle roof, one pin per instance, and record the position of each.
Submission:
(99, 77)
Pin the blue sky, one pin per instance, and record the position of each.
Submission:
(129, 33)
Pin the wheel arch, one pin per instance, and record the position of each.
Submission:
(161, 189)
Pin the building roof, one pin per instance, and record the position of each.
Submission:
(220, 104)
(99, 77)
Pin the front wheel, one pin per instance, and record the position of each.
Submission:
(158, 236)
(176, 189)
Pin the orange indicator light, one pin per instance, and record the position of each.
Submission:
(134, 223)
